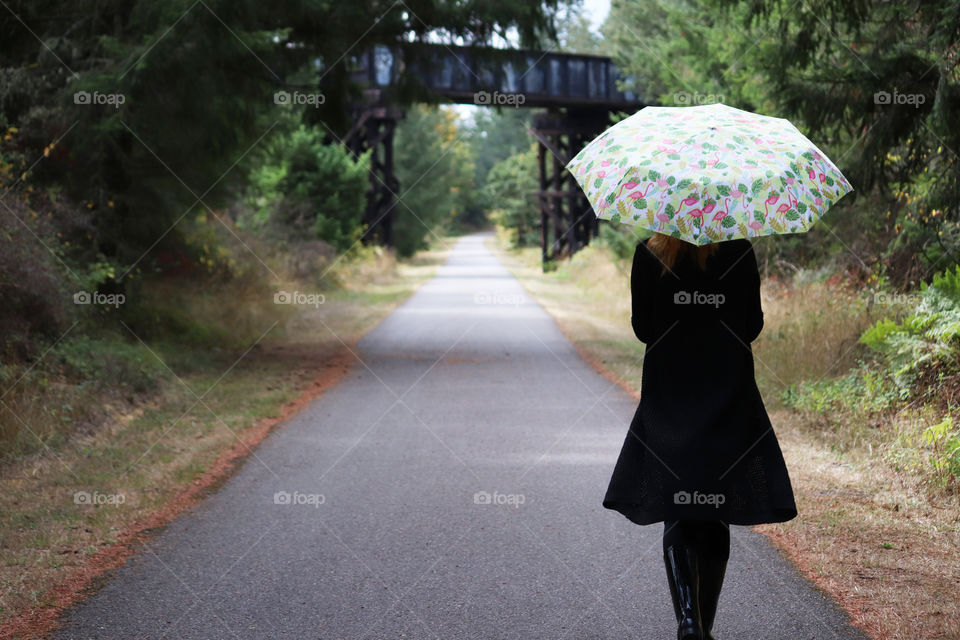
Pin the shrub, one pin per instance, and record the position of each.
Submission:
(943, 442)
(928, 337)
(307, 189)
(863, 391)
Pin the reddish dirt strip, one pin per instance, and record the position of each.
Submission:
(75, 587)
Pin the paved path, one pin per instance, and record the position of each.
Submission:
(466, 391)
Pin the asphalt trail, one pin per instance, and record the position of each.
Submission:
(449, 487)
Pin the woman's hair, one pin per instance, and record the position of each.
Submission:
(669, 249)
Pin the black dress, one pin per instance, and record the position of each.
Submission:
(700, 446)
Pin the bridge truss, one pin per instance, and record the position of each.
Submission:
(579, 93)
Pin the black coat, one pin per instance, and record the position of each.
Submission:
(700, 446)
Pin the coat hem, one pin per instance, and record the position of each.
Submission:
(640, 516)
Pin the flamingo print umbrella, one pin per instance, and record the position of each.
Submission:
(707, 174)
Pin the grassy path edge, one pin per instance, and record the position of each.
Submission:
(83, 580)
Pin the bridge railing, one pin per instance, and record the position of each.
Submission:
(475, 75)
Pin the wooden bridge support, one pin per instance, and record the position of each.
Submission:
(580, 91)
(567, 221)
(373, 128)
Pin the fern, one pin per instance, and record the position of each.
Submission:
(930, 335)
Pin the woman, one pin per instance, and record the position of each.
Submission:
(700, 454)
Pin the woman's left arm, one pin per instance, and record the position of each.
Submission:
(751, 288)
(641, 294)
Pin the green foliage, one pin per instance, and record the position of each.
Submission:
(928, 336)
(494, 135)
(93, 274)
(108, 361)
(877, 335)
(189, 94)
(511, 188)
(435, 170)
(304, 188)
(684, 53)
(264, 191)
(874, 84)
(576, 34)
(863, 391)
(327, 182)
(129, 131)
(943, 441)
(622, 239)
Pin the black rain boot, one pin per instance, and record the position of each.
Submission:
(712, 570)
(681, 564)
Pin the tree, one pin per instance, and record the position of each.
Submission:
(576, 34)
(512, 190)
(306, 189)
(435, 170)
(874, 83)
(882, 78)
(494, 135)
(189, 91)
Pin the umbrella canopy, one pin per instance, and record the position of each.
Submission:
(707, 174)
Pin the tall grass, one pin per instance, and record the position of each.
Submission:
(111, 360)
(810, 357)
(812, 329)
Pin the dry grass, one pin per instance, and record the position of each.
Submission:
(870, 531)
(872, 538)
(153, 454)
(811, 332)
